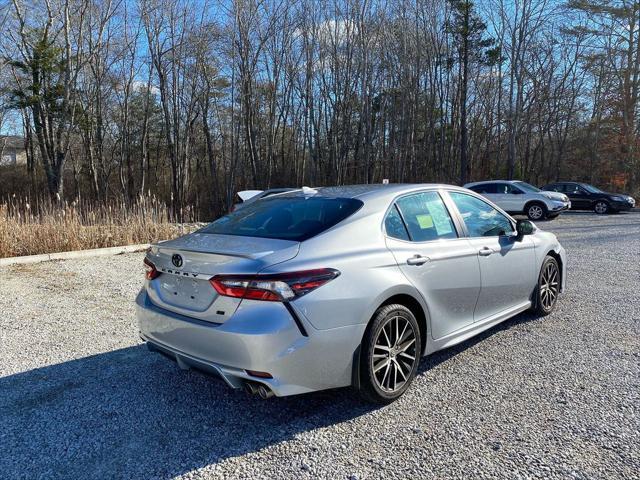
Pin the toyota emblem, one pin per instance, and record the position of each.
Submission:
(176, 260)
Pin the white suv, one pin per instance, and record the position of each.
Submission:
(514, 196)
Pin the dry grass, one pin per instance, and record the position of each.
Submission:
(47, 227)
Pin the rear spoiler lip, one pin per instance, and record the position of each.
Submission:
(227, 254)
(154, 247)
(248, 194)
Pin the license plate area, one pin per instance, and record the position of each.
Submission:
(187, 293)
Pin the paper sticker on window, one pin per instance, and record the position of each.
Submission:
(440, 218)
(425, 221)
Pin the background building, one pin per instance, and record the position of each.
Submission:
(12, 150)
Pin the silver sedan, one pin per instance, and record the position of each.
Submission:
(330, 287)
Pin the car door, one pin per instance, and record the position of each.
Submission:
(503, 197)
(514, 198)
(441, 264)
(507, 266)
(494, 192)
(579, 197)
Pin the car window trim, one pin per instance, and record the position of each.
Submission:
(404, 223)
(460, 219)
(456, 226)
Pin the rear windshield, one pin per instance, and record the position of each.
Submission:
(285, 218)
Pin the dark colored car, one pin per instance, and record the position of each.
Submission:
(587, 197)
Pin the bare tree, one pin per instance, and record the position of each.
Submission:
(193, 104)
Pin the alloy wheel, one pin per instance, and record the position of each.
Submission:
(601, 207)
(549, 286)
(394, 354)
(535, 212)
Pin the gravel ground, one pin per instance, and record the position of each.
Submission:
(557, 397)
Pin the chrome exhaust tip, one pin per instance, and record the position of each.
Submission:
(251, 388)
(264, 392)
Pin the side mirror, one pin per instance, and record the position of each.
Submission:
(523, 227)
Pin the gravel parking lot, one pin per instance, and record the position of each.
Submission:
(558, 397)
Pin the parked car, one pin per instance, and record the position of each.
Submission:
(338, 286)
(518, 197)
(587, 197)
(247, 197)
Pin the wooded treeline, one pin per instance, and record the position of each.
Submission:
(196, 100)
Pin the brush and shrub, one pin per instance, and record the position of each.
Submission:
(42, 225)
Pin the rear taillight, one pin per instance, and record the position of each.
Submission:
(280, 287)
(150, 270)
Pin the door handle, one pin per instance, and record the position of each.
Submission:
(417, 260)
(485, 251)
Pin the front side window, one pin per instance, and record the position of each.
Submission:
(507, 188)
(481, 219)
(285, 217)
(426, 217)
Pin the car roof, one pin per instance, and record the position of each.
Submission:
(368, 191)
(569, 182)
(485, 182)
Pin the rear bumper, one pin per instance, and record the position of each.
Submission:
(260, 336)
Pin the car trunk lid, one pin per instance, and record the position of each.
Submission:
(187, 263)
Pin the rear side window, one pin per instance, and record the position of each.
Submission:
(484, 188)
(394, 225)
(426, 217)
(510, 189)
(502, 188)
(285, 218)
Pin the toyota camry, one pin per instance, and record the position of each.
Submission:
(330, 287)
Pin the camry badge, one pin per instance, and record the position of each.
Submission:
(176, 260)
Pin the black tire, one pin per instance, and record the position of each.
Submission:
(601, 207)
(372, 382)
(536, 211)
(545, 303)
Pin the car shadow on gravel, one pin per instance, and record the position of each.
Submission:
(131, 413)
